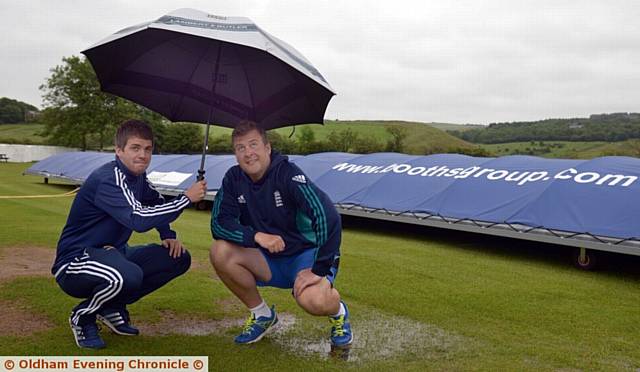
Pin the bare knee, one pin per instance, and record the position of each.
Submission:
(221, 253)
(318, 301)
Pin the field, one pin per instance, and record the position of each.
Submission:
(547, 149)
(421, 299)
(459, 127)
(21, 133)
(565, 149)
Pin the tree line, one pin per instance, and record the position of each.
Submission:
(13, 111)
(187, 138)
(601, 127)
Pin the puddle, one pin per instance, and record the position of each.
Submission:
(179, 324)
(376, 337)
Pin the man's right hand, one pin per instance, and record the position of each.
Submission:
(272, 243)
(197, 191)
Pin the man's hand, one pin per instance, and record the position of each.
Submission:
(176, 249)
(272, 243)
(305, 278)
(197, 191)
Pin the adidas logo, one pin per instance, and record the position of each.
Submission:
(241, 199)
(300, 178)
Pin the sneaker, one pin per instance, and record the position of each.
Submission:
(254, 329)
(341, 334)
(87, 335)
(117, 321)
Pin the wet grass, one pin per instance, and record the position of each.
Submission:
(421, 299)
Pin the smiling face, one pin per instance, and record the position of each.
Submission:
(136, 154)
(253, 154)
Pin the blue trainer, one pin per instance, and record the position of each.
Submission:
(87, 335)
(117, 321)
(341, 334)
(254, 329)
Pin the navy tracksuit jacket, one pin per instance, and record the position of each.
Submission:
(284, 202)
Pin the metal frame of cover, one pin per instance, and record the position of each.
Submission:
(625, 246)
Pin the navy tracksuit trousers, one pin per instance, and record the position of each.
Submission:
(111, 279)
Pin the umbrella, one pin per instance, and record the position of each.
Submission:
(197, 67)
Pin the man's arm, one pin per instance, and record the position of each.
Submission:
(225, 217)
(115, 198)
(325, 220)
(152, 197)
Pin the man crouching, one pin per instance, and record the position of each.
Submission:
(93, 259)
(274, 227)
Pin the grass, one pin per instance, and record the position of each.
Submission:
(460, 301)
(552, 149)
(21, 133)
(458, 127)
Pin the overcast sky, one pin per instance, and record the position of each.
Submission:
(432, 61)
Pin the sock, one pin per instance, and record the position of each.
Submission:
(261, 310)
(341, 311)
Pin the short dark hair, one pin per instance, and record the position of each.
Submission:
(132, 128)
(246, 126)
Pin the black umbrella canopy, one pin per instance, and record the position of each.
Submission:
(196, 67)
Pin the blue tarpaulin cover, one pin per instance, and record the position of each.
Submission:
(596, 197)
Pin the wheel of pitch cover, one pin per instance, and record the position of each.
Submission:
(585, 259)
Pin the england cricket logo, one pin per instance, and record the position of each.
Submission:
(278, 198)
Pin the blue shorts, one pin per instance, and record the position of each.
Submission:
(285, 269)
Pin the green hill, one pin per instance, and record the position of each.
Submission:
(566, 149)
(22, 133)
(421, 138)
(458, 127)
(602, 127)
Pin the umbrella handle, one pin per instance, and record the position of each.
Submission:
(201, 173)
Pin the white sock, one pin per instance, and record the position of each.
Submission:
(341, 311)
(261, 310)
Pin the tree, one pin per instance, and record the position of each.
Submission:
(281, 143)
(182, 138)
(367, 145)
(396, 142)
(307, 143)
(78, 114)
(343, 140)
(220, 144)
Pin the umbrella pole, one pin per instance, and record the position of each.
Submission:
(205, 146)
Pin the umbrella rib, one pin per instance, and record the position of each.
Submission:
(186, 86)
(253, 104)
